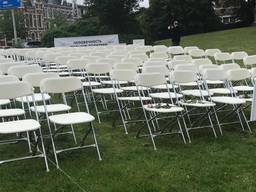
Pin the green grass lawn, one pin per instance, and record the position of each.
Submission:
(242, 39)
(130, 165)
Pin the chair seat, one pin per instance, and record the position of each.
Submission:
(4, 102)
(134, 98)
(191, 84)
(163, 108)
(170, 86)
(71, 118)
(114, 82)
(222, 91)
(243, 88)
(20, 126)
(134, 88)
(11, 112)
(38, 97)
(92, 83)
(196, 93)
(214, 82)
(200, 104)
(228, 100)
(107, 91)
(52, 108)
(63, 73)
(165, 95)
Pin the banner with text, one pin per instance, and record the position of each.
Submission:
(86, 41)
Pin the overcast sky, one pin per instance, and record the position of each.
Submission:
(144, 3)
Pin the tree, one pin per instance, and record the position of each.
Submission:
(6, 26)
(195, 16)
(115, 16)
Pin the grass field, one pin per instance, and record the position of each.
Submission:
(130, 165)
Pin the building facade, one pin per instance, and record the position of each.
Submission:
(39, 15)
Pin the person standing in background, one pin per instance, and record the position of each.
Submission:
(175, 32)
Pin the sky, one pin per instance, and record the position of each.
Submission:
(145, 3)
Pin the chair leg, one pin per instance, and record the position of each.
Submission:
(186, 128)
(246, 121)
(181, 131)
(43, 148)
(240, 119)
(217, 119)
(96, 108)
(53, 144)
(122, 115)
(73, 133)
(95, 141)
(210, 120)
(29, 143)
(149, 129)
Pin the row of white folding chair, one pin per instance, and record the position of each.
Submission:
(12, 122)
(50, 83)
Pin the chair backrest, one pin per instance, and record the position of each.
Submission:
(123, 75)
(5, 66)
(250, 60)
(109, 61)
(211, 66)
(156, 69)
(99, 54)
(150, 79)
(155, 63)
(126, 66)
(160, 55)
(8, 78)
(186, 67)
(183, 76)
(214, 74)
(160, 48)
(91, 59)
(137, 61)
(173, 63)
(238, 74)
(239, 55)
(99, 68)
(63, 59)
(15, 89)
(222, 57)
(142, 57)
(176, 50)
(253, 72)
(230, 66)
(21, 70)
(35, 78)
(78, 64)
(197, 53)
(189, 48)
(199, 62)
(187, 58)
(60, 85)
(212, 52)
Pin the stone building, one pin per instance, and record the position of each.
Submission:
(39, 13)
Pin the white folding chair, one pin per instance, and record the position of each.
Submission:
(197, 53)
(64, 86)
(223, 57)
(179, 77)
(238, 56)
(12, 90)
(250, 61)
(152, 110)
(236, 104)
(96, 70)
